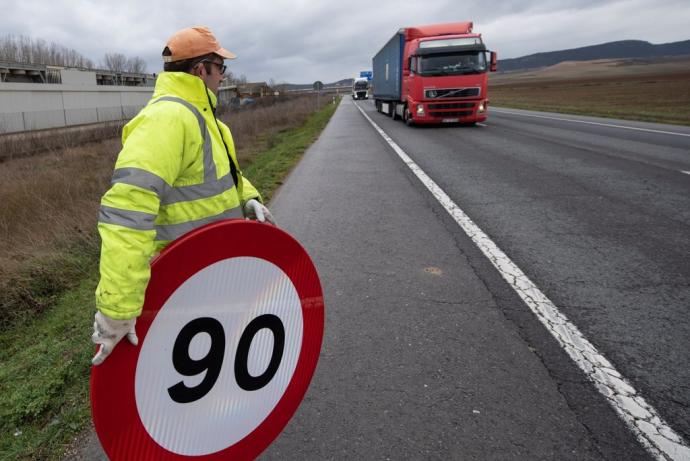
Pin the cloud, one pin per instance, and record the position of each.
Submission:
(301, 41)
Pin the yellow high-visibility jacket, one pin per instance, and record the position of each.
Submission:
(172, 175)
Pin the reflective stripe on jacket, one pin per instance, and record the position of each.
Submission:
(171, 176)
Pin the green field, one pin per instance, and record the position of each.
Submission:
(626, 89)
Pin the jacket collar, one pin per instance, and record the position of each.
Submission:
(185, 86)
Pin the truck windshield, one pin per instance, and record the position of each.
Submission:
(361, 85)
(453, 64)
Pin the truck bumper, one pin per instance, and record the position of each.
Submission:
(448, 111)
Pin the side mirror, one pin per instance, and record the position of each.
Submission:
(493, 66)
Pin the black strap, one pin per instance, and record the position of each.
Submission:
(233, 168)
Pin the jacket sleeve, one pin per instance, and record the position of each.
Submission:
(149, 162)
(245, 189)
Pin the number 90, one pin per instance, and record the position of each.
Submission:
(213, 361)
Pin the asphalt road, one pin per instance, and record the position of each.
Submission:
(598, 216)
(428, 353)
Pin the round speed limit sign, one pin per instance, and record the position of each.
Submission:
(228, 342)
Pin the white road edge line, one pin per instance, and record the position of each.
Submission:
(481, 124)
(685, 171)
(642, 419)
(589, 123)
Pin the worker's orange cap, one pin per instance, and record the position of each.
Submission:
(193, 42)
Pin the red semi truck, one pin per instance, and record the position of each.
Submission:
(434, 74)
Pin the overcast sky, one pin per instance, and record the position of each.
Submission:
(300, 41)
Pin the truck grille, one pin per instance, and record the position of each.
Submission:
(456, 105)
(452, 114)
(438, 93)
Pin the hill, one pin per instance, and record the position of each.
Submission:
(624, 68)
(611, 50)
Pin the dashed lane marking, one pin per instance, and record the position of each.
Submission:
(642, 419)
(649, 130)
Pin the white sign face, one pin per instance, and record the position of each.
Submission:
(218, 356)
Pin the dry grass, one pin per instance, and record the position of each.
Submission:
(51, 197)
(17, 145)
(627, 89)
(50, 202)
(253, 127)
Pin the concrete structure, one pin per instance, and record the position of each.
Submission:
(28, 106)
(77, 77)
(14, 72)
(17, 72)
(107, 77)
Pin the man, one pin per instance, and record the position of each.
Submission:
(176, 171)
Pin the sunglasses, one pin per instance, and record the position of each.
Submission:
(221, 67)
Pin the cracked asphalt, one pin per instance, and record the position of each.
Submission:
(428, 352)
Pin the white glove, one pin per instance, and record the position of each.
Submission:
(253, 209)
(108, 332)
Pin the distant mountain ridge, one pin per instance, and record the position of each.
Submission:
(610, 50)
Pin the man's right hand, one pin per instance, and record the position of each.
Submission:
(108, 332)
(256, 210)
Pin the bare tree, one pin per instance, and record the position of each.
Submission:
(229, 78)
(232, 79)
(24, 49)
(116, 62)
(8, 49)
(135, 65)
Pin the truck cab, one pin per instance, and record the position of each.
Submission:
(445, 80)
(434, 74)
(360, 88)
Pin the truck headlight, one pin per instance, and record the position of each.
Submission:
(420, 110)
(481, 108)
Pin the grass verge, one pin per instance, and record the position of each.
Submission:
(44, 376)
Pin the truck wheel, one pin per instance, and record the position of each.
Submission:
(407, 117)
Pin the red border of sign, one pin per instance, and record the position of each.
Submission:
(113, 404)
